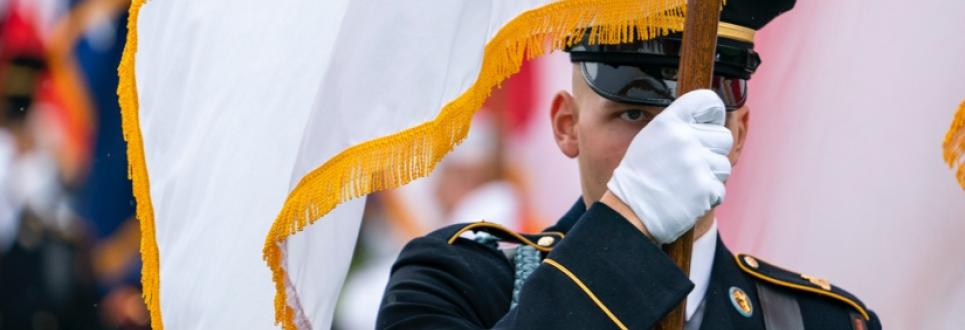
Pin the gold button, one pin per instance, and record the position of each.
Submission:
(751, 261)
(546, 241)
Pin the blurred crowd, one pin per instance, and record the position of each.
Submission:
(68, 236)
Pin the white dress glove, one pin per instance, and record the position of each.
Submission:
(675, 168)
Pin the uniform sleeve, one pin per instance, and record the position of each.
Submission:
(875, 322)
(435, 285)
(604, 274)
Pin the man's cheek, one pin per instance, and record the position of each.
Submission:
(610, 161)
(621, 144)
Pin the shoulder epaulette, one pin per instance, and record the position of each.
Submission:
(801, 282)
(544, 241)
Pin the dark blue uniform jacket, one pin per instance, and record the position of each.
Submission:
(598, 272)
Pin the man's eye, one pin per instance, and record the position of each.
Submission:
(633, 115)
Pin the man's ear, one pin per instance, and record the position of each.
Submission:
(563, 117)
(738, 122)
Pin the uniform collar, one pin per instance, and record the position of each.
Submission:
(719, 311)
(701, 264)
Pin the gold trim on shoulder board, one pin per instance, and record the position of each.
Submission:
(831, 294)
(736, 32)
(517, 236)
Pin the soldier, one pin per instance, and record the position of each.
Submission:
(652, 166)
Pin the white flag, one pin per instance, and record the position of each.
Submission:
(248, 120)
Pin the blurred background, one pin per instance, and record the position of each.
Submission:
(842, 175)
(68, 239)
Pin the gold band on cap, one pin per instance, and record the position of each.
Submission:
(736, 32)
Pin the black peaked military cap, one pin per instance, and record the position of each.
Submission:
(645, 72)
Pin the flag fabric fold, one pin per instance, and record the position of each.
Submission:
(249, 120)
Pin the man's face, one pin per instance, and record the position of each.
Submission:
(597, 132)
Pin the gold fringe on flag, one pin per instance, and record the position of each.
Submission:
(137, 169)
(954, 146)
(394, 160)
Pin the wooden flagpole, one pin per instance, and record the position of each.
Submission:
(695, 72)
